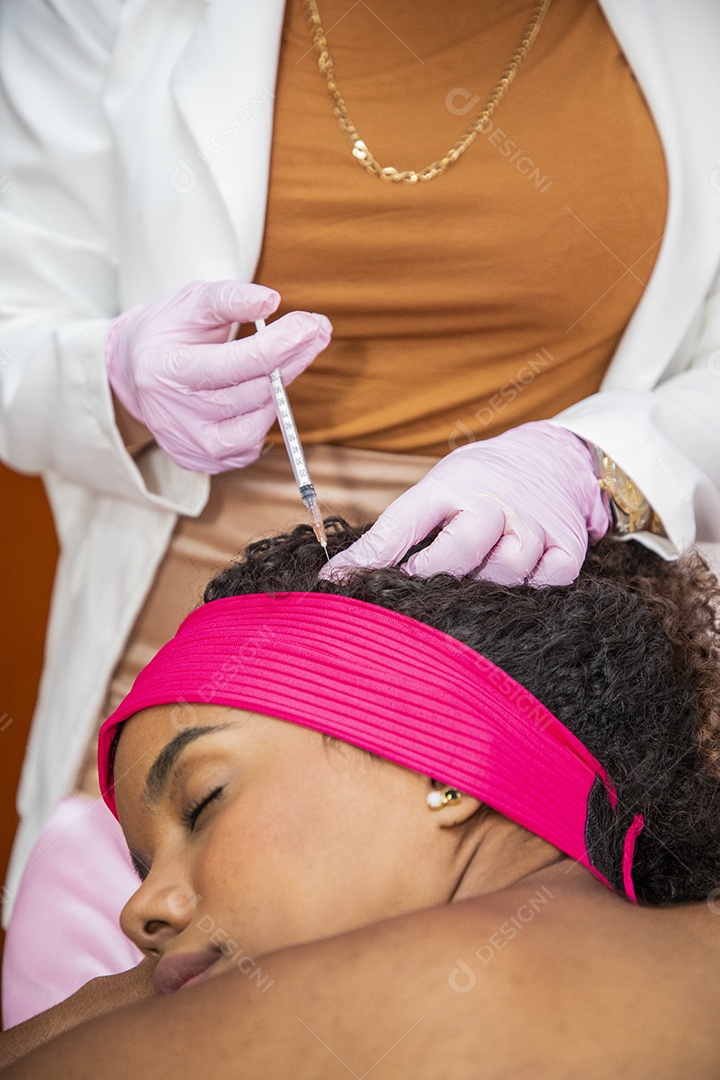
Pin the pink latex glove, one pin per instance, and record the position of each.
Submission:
(515, 508)
(207, 400)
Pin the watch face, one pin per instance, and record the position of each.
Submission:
(626, 494)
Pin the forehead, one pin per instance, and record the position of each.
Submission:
(145, 734)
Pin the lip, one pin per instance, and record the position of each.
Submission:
(183, 969)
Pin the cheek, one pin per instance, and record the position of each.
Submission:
(311, 846)
(261, 869)
(300, 866)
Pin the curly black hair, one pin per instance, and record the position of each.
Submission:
(627, 657)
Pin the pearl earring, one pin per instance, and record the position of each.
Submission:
(437, 799)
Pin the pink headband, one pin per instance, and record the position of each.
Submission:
(388, 684)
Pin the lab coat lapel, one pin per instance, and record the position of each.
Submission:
(685, 113)
(223, 85)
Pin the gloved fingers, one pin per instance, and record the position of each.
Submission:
(224, 402)
(236, 441)
(408, 519)
(554, 489)
(207, 305)
(585, 493)
(558, 566)
(297, 337)
(515, 556)
(600, 519)
(215, 447)
(462, 544)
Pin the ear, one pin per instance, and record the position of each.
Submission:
(452, 813)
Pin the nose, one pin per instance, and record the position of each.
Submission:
(156, 913)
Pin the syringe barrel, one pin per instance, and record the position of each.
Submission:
(289, 431)
(294, 449)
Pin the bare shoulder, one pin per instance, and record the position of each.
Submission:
(576, 982)
(553, 978)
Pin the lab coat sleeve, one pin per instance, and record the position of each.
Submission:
(60, 237)
(668, 438)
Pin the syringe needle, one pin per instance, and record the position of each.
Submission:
(317, 522)
(294, 449)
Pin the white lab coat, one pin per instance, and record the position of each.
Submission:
(135, 156)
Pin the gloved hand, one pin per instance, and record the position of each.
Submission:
(207, 400)
(518, 507)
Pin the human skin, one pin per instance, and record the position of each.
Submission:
(580, 984)
(133, 433)
(305, 839)
(591, 987)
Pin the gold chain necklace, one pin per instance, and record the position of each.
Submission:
(436, 168)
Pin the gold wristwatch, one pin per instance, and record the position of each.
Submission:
(631, 512)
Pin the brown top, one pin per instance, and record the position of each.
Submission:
(489, 296)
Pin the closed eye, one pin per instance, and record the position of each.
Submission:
(191, 815)
(140, 866)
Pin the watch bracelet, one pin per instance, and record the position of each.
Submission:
(625, 520)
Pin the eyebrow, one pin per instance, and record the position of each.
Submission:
(163, 765)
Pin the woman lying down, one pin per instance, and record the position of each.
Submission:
(447, 821)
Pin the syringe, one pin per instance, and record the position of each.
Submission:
(286, 420)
